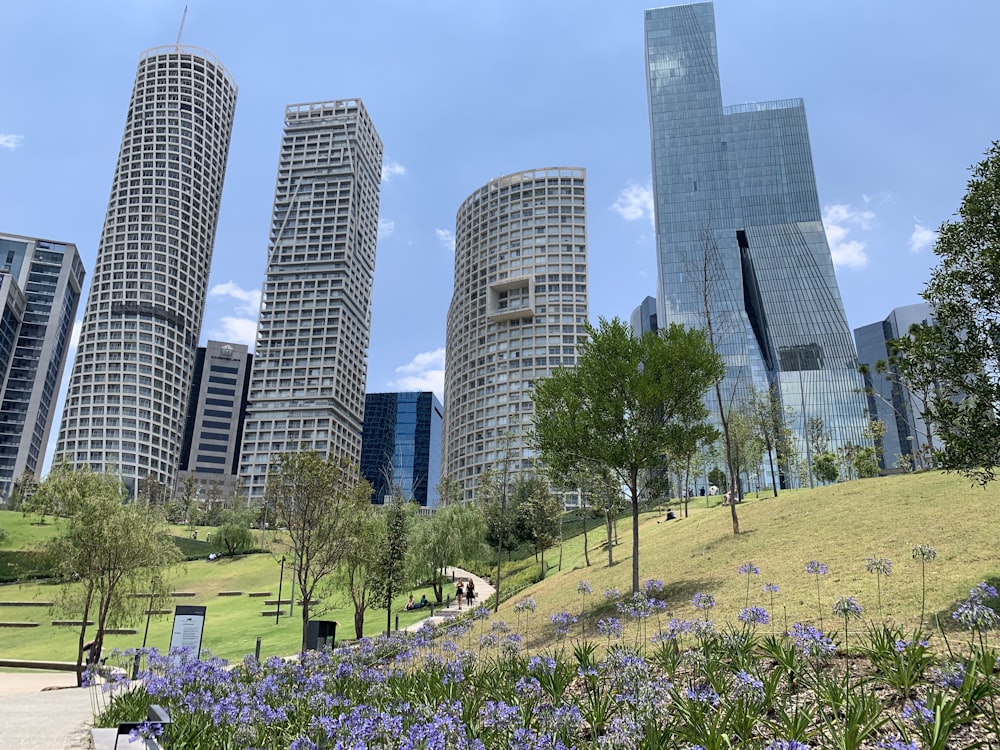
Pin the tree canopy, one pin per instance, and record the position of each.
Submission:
(628, 402)
(959, 357)
(318, 499)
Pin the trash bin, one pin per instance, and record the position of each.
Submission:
(321, 634)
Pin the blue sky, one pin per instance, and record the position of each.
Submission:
(901, 99)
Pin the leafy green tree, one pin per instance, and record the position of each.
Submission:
(451, 535)
(826, 466)
(317, 498)
(772, 427)
(233, 536)
(961, 356)
(22, 490)
(358, 573)
(108, 548)
(747, 445)
(627, 402)
(495, 500)
(717, 476)
(540, 511)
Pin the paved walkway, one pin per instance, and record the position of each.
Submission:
(483, 592)
(43, 711)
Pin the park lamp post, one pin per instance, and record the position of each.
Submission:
(281, 580)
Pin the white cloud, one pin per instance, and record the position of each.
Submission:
(392, 169)
(425, 372)
(922, 237)
(8, 140)
(249, 297)
(840, 219)
(446, 237)
(635, 201)
(385, 228)
(236, 330)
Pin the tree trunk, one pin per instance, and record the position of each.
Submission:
(305, 620)
(583, 518)
(730, 464)
(544, 571)
(774, 478)
(607, 523)
(634, 489)
(359, 622)
(83, 635)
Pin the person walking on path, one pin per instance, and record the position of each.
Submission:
(459, 592)
(470, 592)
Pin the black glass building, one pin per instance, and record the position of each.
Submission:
(401, 446)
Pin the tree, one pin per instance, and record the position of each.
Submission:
(358, 573)
(772, 428)
(391, 561)
(453, 534)
(540, 511)
(826, 467)
(109, 548)
(318, 499)
(627, 402)
(961, 356)
(494, 498)
(233, 536)
(20, 494)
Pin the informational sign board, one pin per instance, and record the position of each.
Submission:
(189, 624)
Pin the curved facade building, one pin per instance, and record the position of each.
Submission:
(518, 311)
(128, 391)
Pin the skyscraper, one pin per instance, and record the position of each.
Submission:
(739, 230)
(518, 310)
(307, 388)
(889, 401)
(213, 431)
(40, 285)
(401, 446)
(129, 388)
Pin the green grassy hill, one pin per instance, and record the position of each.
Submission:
(841, 526)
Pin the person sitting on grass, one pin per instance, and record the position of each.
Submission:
(409, 602)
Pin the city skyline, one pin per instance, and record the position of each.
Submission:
(893, 129)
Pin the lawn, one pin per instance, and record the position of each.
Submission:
(839, 525)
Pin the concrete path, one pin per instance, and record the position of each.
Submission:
(483, 592)
(43, 711)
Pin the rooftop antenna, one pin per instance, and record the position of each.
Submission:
(181, 29)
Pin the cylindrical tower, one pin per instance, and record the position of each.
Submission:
(133, 367)
(518, 310)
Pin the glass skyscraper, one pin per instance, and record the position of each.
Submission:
(307, 387)
(401, 446)
(740, 240)
(889, 401)
(128, 392)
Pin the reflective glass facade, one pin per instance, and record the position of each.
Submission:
(888, 400)
(40, 284)
(132, 374)
(307, 387)
(738, 224)
(401, 446)
(518, 310)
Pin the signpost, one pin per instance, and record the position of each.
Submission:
(189, 624)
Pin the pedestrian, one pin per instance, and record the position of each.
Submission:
(459, 591)
(470, 592)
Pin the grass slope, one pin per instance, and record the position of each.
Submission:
(839, 525)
